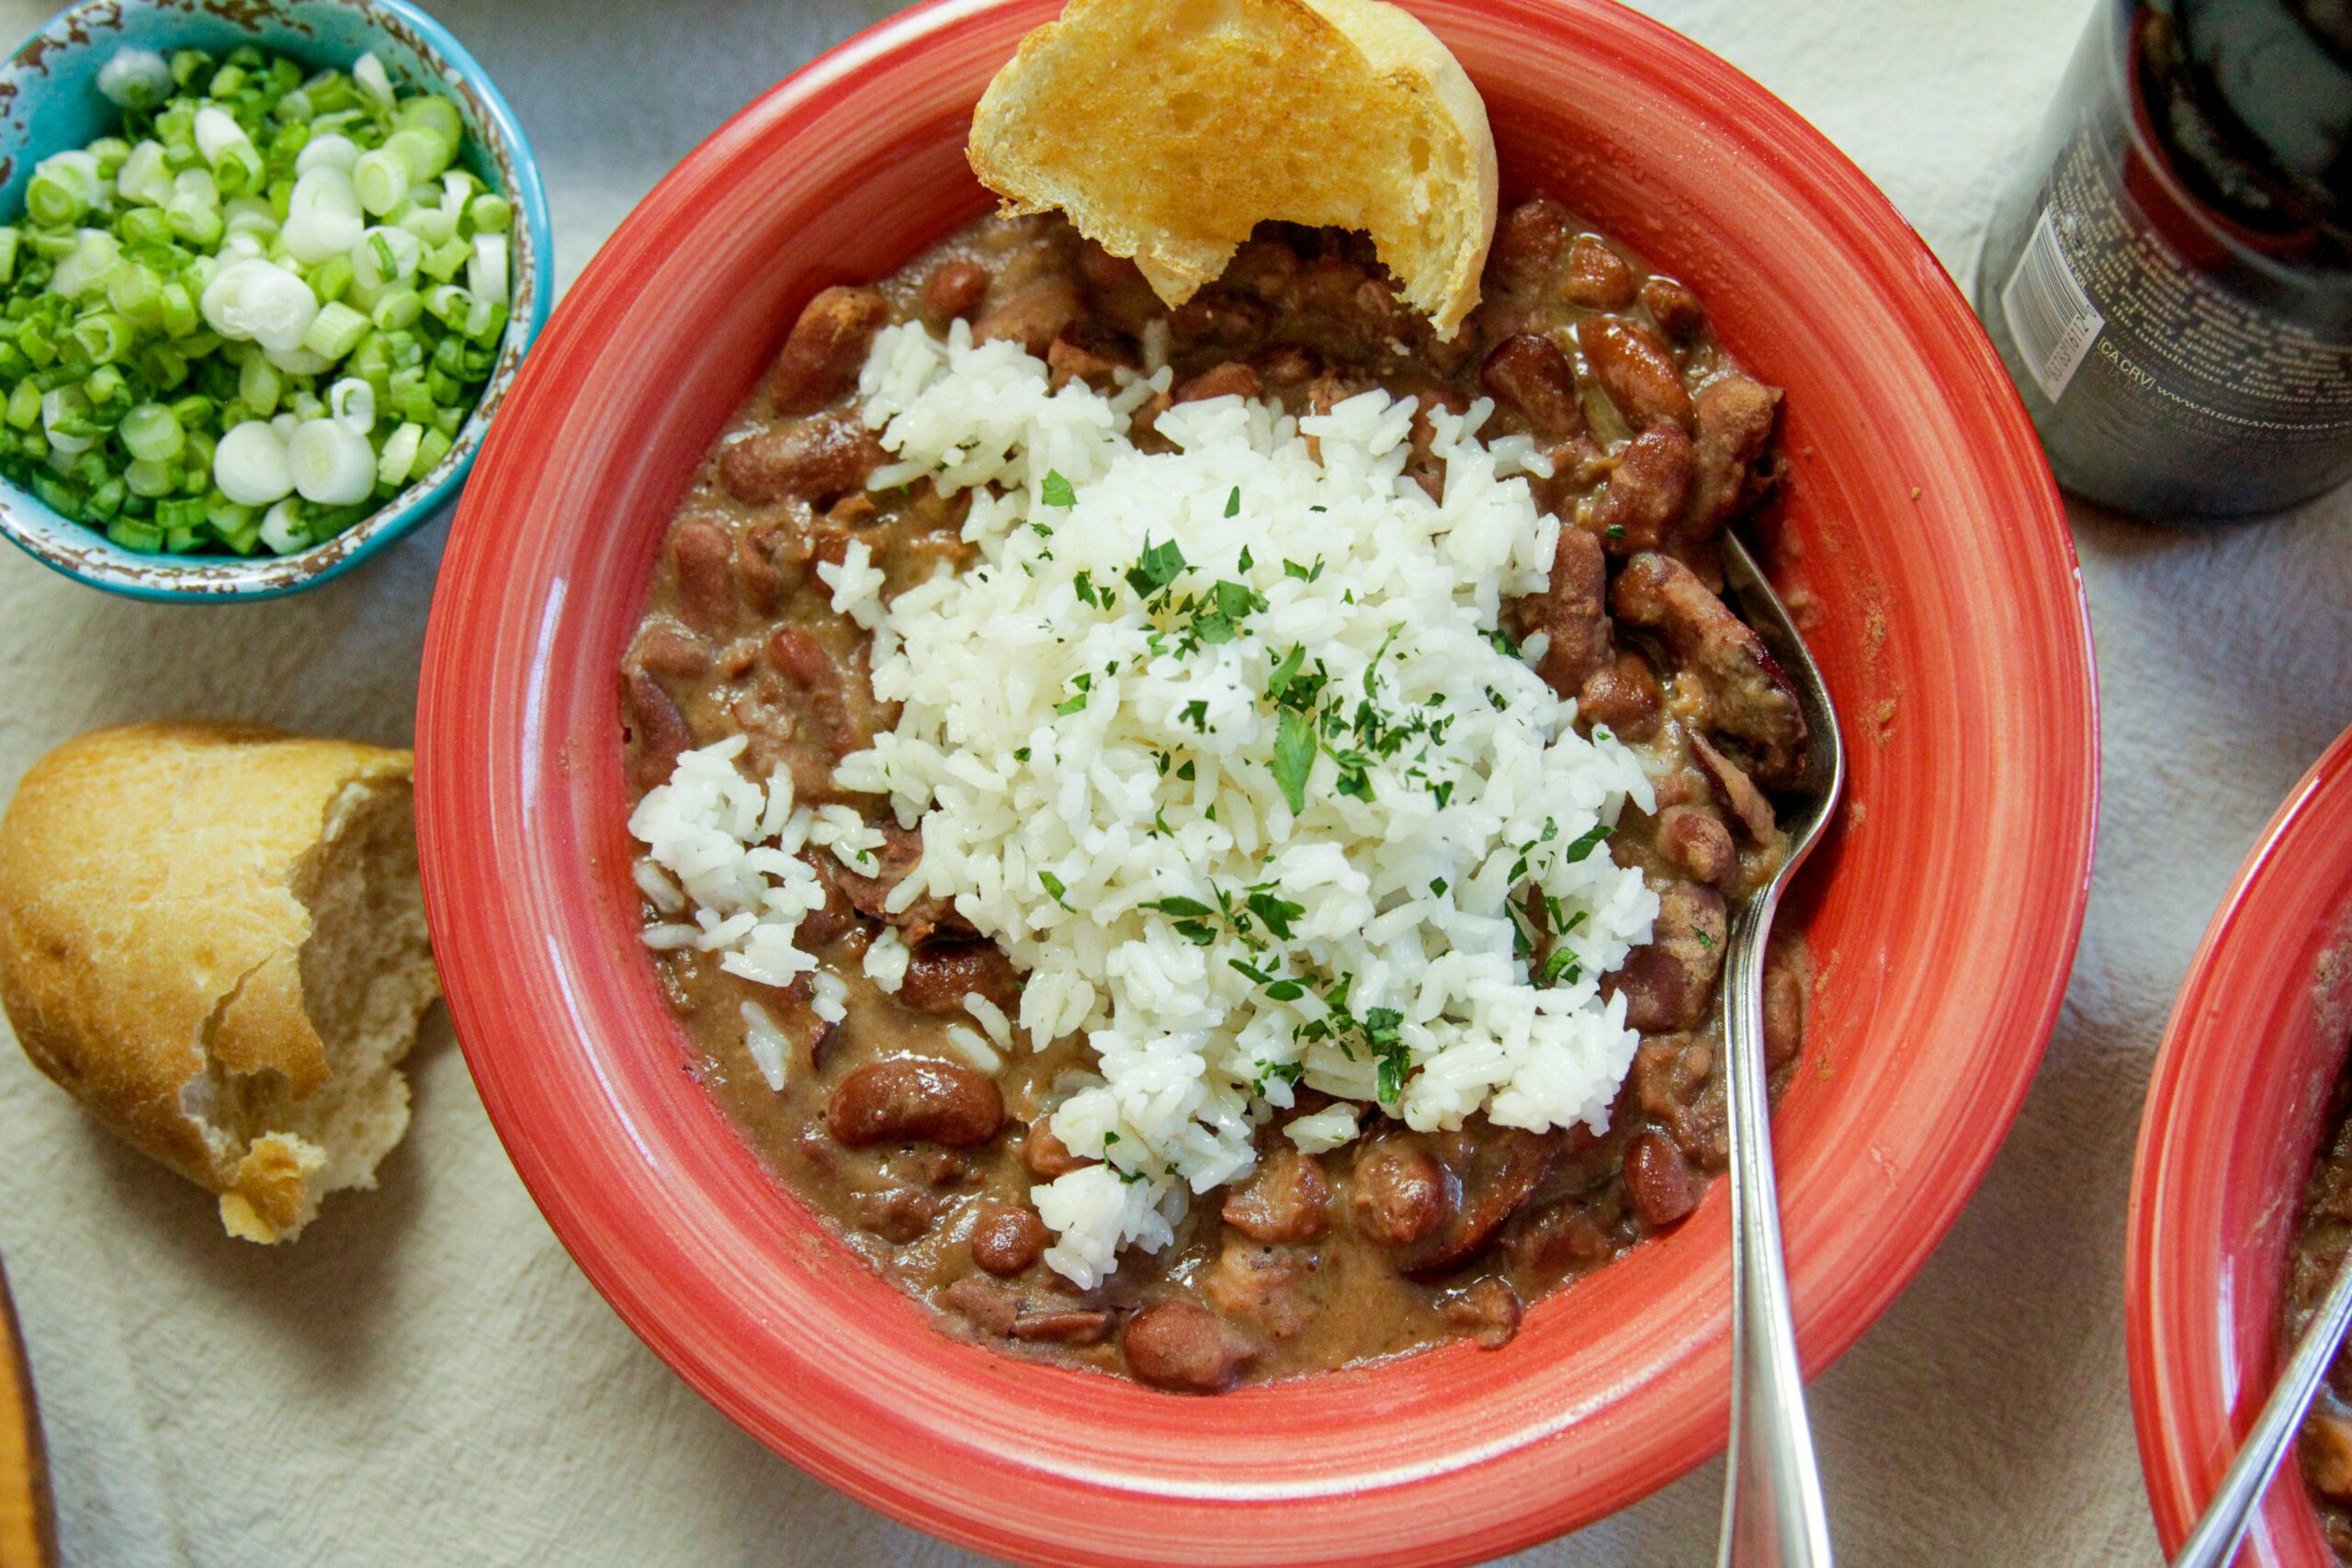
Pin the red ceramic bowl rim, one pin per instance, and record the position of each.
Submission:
(2193, 1395)
(483, 955)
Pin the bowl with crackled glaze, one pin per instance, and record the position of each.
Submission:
(50, 102)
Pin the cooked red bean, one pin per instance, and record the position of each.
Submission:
(1045, 1154)
(1635, 371)
(1596, 277)
(1093, 354)
(1645, 492)
(1529, 244)
(1571, 614)
(817, 460)
(1286, 1198)
(1103, 270)
(955, 289)
(1695, 840)
(895, 1214)
(1261, 267)
(1731, 426)
(656, 731)
(1559, 1239)
(827, 345)
(770, 558)
(942, 974)
(1402, 1193)
(703, 553)
(1286, 365)
(1674, 308)
(1008, 1240)
(1530, 373)
(1230, 380)
(1489, 1309)
(1262, 1286)
(914, 1100)
(1661, 1182)
(1178, 1346)
(819, 691)
(1622, 697)
(1219, 318)
(665, 647)
(1669, 984)
(1752, 697)
(1033, 314)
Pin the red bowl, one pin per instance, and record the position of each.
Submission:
(1946, 611)
(2235, 1116)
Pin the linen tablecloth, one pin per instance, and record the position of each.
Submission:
(427, 1380)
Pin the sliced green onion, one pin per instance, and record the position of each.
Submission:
(249, 466)
(336, 332)
(491, 214)
(398, 456)
(152, 434)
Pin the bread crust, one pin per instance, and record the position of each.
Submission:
(147, 921)
(1167, 128)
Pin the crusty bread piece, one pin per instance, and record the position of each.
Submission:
(213, 937)
(1167, 128)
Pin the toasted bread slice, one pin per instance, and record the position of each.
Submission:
(1167, 128)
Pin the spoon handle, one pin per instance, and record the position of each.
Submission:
(2215, 1539)
(1773, 1512)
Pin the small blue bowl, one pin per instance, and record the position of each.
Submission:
(50, 102)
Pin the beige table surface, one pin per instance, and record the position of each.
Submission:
(427, 1380)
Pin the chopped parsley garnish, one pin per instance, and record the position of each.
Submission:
(1187, 773)
(1275, 1072)
(1295, 748)
(1245, 563)
(1304, 573)
(1233, 502)
(1560, 969)
(1057, 491)
(1054, 888)
(1158, 566)
(1178, 905)
(1276, 912)
(1585, 843)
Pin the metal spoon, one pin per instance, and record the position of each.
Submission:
(2215, 1539)
(1773, 1512)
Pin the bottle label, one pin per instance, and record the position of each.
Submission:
(2052, 322)
(2098, 284)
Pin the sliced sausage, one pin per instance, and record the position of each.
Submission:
(1635, 371)
(1752, 697)
(1735, 790)
(1494, 1169)
(1645, 492)
(1529, 373)
(1286, 1198)
(914, 1100)
(1669, 984)
(900, 852)
(1185, 1347)
(826, 348)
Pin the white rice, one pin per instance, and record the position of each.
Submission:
(1072, 757)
